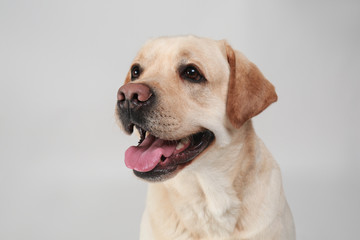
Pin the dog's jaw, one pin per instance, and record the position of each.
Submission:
(156, 160)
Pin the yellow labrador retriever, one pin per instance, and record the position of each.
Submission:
(191, 100)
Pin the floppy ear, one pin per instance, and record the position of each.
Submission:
(249, 92)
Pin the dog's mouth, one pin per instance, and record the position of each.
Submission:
(156, 159)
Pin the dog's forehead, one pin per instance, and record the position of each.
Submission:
(177, 49)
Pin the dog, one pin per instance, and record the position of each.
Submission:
(191, 100)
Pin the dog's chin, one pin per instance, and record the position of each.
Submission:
(187, 150)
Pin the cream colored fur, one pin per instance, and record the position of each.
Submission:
(233, 190)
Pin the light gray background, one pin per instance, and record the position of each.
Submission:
(62, 174)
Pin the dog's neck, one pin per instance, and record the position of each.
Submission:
(212, 192)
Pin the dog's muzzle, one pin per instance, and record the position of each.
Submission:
(154, 158)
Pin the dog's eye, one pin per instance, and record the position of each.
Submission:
(191, 74)
(135, 72)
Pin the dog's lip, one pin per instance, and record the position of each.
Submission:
(143, 133)
(179, 159)
(194, 145)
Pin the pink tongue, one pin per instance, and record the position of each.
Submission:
(147, 155)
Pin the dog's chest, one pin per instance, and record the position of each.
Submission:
(207, 211)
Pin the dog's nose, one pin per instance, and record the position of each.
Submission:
(136, 94)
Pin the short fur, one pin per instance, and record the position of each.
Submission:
(233, 190)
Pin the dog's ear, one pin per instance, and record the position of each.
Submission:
(249, 92)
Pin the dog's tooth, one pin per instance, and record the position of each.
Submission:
(185, 141)
(139, 130)
(142, 134)
(179, 146)
(182, 143)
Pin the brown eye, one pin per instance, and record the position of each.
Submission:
(135, 72)
(191, 74)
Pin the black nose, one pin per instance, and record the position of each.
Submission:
(134, 95)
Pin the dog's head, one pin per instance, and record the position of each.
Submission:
(183, 95)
